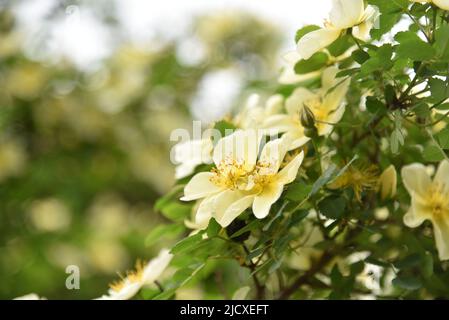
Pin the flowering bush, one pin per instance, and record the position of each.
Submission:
(302, 192)
(298, 196)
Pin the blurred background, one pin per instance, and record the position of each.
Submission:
(89, 94)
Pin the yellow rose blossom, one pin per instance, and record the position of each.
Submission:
(358, 178)
(345, 14)
(326, 105)
(241, 178)
(430, 201)
(143, 275)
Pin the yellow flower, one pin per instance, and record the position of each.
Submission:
(387, 183)
(143, 275)
(291, 58)
(255, 112)
(358, 178)
(190, 154)
(30, 296)
(241, 178)
(345, 14)
(430, 201)
(443, 4)
(326, 105)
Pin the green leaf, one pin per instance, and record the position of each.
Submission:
(432, 153)
(332, 207)
(442, 42)
(297, 217)
(427, 267)
(255, 224)
(360, 56)
(213, 228)
(163, 232)
(375, 106)
(407, 282)
(443, 138)
(341, 45)
(439, 90)
(176, 211)
(416, 49)
(303, 31)
(408, 262)
(314, 63)
(327, 176)
(187, 244)
(298, 191)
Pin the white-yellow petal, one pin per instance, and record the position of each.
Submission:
(273, 153)
(443, 4)
(295, 102)
(315, 41)
(200, 186)
(290, 171)
(279, 123)
(416, 179)
(241, 146)
(441, 231)
(204, 211)
(370, 18)
(442, 175)
(417, 214)
(154, 269)
(296, 137)
(346, 13)
(230, 205)
(264, 200)
(388, 183)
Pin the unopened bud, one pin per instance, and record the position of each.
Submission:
(307, 118)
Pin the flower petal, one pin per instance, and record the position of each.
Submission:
(230, 205)
(264, 200)
(156, 267)
(242, 146)
(346, 13)
(315, 41)
(290, 171)
(443, 4)
(416, 179)
(279, 123)
(442, 175)
(200, 186)
(441, 231)
(295, 102)
(296, 137)
(273, 153)
(416, 214)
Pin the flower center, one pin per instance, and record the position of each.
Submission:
(439, 200)
(234, 175)
(132, 276)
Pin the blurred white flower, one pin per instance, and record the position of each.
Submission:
(30, 296)
(142, 276)
(443, 4)
(190, 154)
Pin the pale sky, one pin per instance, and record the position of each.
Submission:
(80, 37)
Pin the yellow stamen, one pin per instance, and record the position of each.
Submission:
(439, 200)
(132, 276)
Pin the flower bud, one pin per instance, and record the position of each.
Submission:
(387, 183)
(307, 118)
